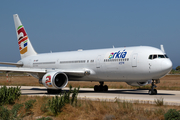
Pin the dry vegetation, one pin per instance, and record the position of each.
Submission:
(90, 110)
(97, 110)
(169, 82)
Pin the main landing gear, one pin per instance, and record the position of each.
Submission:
(101, 88)
(153, 91)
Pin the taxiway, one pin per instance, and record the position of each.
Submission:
(169, 97)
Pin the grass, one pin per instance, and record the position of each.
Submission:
(99, 110)
(159, 102)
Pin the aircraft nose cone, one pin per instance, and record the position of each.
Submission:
(166, 65)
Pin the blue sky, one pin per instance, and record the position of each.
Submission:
(66, 25)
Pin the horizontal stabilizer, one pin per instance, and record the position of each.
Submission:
(14, 64)
(23, 70)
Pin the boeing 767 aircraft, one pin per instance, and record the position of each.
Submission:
(137, 66)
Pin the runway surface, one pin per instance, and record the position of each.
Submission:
(169, 97)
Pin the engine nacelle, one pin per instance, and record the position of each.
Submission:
(55, 80)
(137, 84)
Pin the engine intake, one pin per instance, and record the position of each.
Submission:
(55, 80)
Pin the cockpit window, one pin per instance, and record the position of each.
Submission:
(157, 56)
(161, 56)
(150, 57)
(166, 56)
(154, 56)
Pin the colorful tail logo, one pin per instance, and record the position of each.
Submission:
(22, 39)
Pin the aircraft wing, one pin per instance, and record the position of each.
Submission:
(78, 73)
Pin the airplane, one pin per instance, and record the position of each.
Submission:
(137, 66)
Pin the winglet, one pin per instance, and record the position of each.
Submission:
(25, 47)
(162, 48)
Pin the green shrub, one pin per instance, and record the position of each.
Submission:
(44, 107)
(56, 103)
(4, 113)
(172, 114)
(28, 107)
(43, 118)
(9, 95)
(67, 95)
(13, 114)
(15, 109)
(74, 96)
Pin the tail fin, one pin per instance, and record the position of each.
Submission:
(25, 47)
(162, 48)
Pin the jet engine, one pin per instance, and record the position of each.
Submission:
(137, 84)
(55, 80)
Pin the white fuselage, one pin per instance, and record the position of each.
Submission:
(125, 64)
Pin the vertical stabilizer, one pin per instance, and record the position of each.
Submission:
(162, 48)
(25, 47)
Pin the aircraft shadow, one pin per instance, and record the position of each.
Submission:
(133, 92)
(128, 92)
(34, 89)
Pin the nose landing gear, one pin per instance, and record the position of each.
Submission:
(101, 88)
(153, 91)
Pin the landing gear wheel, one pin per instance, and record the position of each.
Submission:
(155, 92)
(105, 88)
(101, 88)
(96, 88)
(152, 92)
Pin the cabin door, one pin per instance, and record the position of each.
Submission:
(134, 60)
(98, 65)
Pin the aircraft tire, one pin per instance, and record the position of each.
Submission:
(105, 88)
(99, 88)
(152, 92)
(155, 92)
(96, 88)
